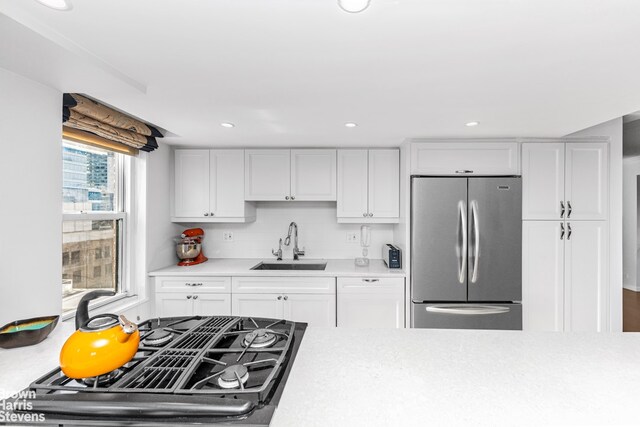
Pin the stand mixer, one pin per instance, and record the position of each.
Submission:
(189, 247)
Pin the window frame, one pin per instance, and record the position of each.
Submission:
(123, 205)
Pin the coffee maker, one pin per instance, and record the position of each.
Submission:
(189, 247)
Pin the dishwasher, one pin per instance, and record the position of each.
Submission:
(371, 302)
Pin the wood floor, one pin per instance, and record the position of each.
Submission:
(630, 311)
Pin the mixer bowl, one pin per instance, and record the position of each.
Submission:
(188, 250)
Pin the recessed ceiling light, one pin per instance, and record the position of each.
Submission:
(353, 6)
(56, 4)
(227, 125)
(351, 125)
(472, 124)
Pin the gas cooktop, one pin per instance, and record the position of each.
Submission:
(188, 370)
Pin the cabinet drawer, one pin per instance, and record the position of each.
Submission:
(194, 284)
(294, 285)
(465, 158)
(377, 284)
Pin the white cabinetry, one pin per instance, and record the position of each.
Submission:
(371, 302)
(302, 299)
(305, 174)
(465, 158)
(565, 181)
(368, 185)
(209, 187)
(187, 296)
(565, 236)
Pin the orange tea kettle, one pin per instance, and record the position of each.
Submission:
(100, 344)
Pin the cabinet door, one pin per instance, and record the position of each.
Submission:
(370, 303)
(384, 183)
(467, 158)
(542, 276)
(542, 180)
(257, 305)
(313, 174)
(174, 304)
(587, 180)
(226, 191)
(267, 175)
(352, 183)
(191, 190)
(212, 304)
(314, 309)
(586, 285)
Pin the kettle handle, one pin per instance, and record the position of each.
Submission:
(82, 312)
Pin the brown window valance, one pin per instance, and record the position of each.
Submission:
(82, 116)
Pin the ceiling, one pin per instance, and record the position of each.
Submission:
(292, 72)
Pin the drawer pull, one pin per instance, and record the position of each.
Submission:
(370, 280)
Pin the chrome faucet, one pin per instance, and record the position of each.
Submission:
(278, 253)
(293, 227)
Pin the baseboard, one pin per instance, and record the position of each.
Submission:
(631, 288)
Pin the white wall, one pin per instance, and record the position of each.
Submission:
(613, 130)
(318, 230)
(631, 170)
(31, 199)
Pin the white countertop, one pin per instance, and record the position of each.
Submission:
(409, 377)
(242, 267)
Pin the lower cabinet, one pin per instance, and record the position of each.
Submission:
(564, 281)
(371, 302)
(189, 296)
(301, 299)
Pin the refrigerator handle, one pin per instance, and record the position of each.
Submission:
(476, 243)
(467, 309)
(462, 229)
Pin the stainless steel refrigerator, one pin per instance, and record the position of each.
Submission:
(466, 246)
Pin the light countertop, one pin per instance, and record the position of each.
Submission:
(242, 267)
(416, 377)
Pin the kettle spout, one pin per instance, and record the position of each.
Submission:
(128, 328)
(82, 312)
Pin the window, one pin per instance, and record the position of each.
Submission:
(93, 221)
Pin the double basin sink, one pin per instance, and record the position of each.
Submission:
(279, 265)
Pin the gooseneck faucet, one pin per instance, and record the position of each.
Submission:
(293, 227)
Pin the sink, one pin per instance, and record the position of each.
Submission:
(290, 266)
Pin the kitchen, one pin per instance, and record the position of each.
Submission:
(269, 146)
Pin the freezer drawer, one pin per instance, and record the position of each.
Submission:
(467, 316)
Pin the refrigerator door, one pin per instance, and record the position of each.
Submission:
(467, 316)
(495, 239)
(438, 239)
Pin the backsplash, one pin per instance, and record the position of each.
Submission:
(318, 232)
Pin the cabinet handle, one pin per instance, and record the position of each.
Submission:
(195, 297)
(464, 171)
(212, 214)
(293, 198)
(364, 214)
(561, 209)
(286, 297)
(279, 297)
(187, 284)
(286, 197)
(568, 231)
(206, 214)
(188, 296)
(370, 280)
(570, 209)
(561, 230)
(370, 214)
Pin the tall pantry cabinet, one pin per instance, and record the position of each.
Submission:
(565, 236)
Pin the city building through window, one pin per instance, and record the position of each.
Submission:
(93, 221)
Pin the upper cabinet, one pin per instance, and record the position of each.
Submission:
(565, 181)
(208, 187)
(368, 185)
(305, 174)
(465, 158)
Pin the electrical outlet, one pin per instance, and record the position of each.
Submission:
(352, 237)
(227, 236)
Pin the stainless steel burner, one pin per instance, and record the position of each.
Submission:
(260, 338)
(157, 338)
(103, 380)
(232, 376)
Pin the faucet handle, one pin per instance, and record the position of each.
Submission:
(301, 251)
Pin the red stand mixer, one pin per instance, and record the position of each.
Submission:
(189, 247)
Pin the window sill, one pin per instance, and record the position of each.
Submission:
(117, 303)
